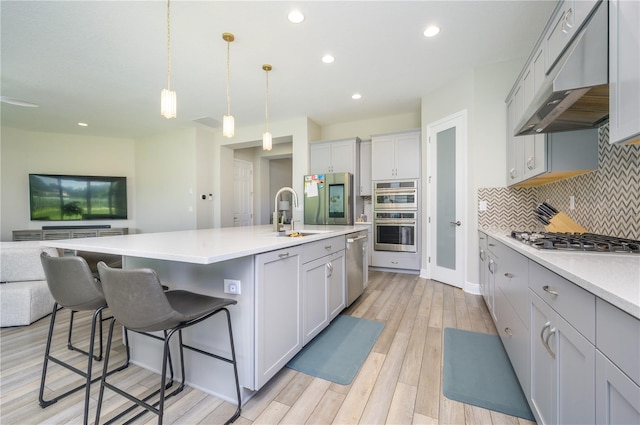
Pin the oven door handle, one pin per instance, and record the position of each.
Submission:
(395, 191)
(393, 222)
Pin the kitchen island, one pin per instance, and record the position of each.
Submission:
(272, 317)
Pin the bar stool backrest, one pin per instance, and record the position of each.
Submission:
(71, 282)
(136, 299)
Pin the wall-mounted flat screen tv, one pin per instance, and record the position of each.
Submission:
(62, 198)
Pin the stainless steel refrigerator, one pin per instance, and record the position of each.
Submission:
(328, 198)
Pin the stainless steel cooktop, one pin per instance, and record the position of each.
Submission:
(585, 242)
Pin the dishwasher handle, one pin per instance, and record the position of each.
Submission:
(352, 240)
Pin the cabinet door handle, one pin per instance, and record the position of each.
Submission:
(507, 330)
(330, 268)
(546, 288)
(552, 332)
(512, 173)
(327, 247)
(482, 254)
(283, 255)
(491, 270)
(544, 328)
(509, 275)
(531, 163)
(545, 341)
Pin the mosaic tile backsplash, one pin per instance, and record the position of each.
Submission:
(607, 200)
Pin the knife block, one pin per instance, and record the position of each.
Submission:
(562, 223)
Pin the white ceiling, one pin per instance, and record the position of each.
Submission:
(105, 62)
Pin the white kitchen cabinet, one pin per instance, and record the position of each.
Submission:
(617, 366)
(492, 268)
(562, 368)
(554, 156)
(624, 71)
(336, 156)
(395, 156)
(365, 168)
(515, 144)
(278, 310)
(617, 396)
(565, 24)
(482, 265)
(324, 292)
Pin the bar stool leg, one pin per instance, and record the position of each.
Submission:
(44, 403)
(235, 370)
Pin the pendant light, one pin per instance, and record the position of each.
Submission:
(228, 125)
(266, 136)
(167, 96)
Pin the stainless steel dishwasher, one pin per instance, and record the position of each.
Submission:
(356, 259)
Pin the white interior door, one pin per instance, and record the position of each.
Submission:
(242, 193)
(446, 199)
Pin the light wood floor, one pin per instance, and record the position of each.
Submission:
(399, 383)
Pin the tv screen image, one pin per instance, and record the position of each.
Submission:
(61, 197)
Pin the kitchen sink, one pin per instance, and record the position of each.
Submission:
(301, 233)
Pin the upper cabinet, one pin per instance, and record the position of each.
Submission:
(336, 156)
(624, 71)
(565, 24)
(365, 168)
(540, 158)
(395, 156)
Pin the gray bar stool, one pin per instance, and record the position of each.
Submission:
(137, 301)
(74, 287)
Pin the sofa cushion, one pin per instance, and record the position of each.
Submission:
(22, 303)
(20, 261)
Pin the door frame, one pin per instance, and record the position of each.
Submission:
(460, 121)
(247, 165)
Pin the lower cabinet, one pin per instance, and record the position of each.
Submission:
(617, 396)
(617, 366)
(323, 289)
(562, 369)
(278, 311)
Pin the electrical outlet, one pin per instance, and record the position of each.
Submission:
(232, 286)
(482, 206)
(572, 202)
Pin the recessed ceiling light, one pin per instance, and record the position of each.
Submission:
(356, 96)
(328, 59)
(295, 17)
(431, 31)
(83, 124)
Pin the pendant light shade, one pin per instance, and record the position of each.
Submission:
(167, 96)
(168, 103)
(228, 126)
(267, 141)
(228, 122)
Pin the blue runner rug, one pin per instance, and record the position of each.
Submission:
(337, 353)
(477, 371)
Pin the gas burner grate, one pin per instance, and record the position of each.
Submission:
(588, 242)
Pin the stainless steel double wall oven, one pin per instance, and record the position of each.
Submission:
(395, 221)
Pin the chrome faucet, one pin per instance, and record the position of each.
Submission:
(294, 201)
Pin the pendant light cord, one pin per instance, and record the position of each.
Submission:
(169, 45)
(266, 107)
(228, 79)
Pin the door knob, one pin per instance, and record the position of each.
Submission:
(457, 223)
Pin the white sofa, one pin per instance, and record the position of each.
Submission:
(24, 294)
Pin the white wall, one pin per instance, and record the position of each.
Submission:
(23, 152)
(481, 92)
(296, 129)
(166, 190)
(365, 128)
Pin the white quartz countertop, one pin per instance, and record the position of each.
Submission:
(203, 246)
(613, 277)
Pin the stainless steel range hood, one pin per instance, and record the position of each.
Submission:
(575, 94)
